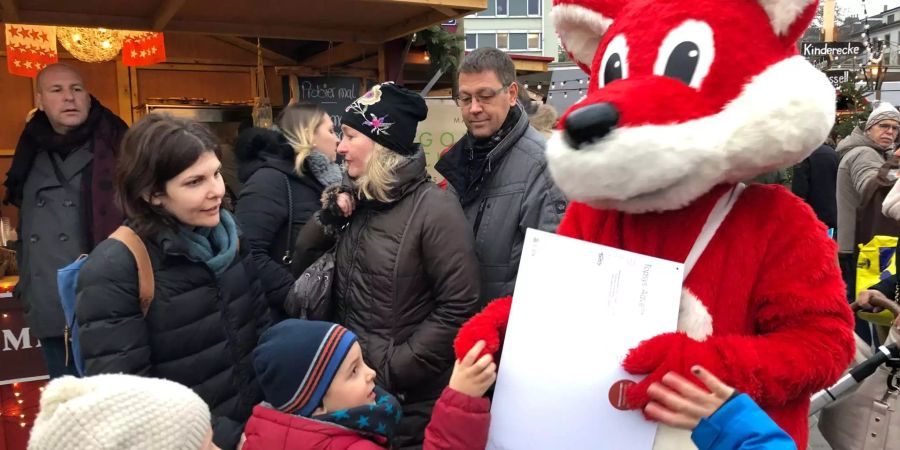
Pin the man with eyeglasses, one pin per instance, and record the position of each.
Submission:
(867, 170)
(498, 170)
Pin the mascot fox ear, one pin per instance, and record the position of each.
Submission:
(789, 18)
(581, 24)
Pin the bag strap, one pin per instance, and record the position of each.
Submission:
(146, 284)
(289, 248)
(713, 222)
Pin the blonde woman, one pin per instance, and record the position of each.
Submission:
(283, 174)
(406, 275)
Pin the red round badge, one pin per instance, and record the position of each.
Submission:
(617, 394)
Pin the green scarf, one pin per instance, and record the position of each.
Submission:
(216, 246)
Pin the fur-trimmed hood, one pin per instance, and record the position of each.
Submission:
(858, 138)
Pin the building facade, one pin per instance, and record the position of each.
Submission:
(516, 26)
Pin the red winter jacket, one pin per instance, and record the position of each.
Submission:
(458, 422)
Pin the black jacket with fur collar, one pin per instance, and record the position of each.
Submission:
(275, 202)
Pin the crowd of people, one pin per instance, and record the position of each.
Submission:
(368, 361)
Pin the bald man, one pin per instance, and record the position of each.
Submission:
(61, 180)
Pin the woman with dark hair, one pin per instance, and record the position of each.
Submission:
(283, 174)
(208, 308)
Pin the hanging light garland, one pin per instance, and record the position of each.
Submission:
(91, 44)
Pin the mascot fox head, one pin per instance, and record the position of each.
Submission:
(684, 95)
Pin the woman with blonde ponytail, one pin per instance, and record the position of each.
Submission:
(283, 172)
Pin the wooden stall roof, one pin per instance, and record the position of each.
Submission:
(360, 21)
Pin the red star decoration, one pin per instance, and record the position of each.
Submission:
(44, 37)
(33, 34)
(14, 31)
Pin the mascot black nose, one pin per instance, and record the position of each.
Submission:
(590, 123)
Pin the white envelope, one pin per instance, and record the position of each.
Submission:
(579, 307)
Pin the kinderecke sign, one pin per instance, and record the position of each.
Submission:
(851, 48)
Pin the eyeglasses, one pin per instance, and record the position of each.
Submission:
(881, 126)
(483, 96)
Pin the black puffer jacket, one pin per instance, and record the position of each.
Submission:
(406, 278)
(199, 330)
(266, 173)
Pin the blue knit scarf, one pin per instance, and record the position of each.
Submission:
(375, 421)
(215, 246)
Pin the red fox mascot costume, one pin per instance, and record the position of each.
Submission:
(687, 98)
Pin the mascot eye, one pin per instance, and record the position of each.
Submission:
(614, 65)
(687, 53)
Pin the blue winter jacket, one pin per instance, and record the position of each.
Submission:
(740, 424)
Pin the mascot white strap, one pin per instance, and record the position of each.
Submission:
(713, 222)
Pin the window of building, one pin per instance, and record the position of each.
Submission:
(503, 41)
(518, 8)
(534, 41)
(518, 41)
(890, 18)
(491, 9)
(502, 7)
(534, 7)
(887, 49)
(487, 40)
(471, 41)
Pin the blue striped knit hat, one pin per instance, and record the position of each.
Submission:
(296, 360)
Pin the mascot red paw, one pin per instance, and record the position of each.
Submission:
(489, 326)
(670, 352)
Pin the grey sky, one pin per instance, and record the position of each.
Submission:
(855, 7)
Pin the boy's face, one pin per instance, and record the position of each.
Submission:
(353, 384)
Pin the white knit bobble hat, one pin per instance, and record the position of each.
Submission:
(883, 111)
(121, 412)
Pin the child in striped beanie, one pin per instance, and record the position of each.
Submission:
(320, 394)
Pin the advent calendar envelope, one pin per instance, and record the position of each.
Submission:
(579, 307)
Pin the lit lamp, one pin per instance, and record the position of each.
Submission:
(875, 74)
(91, 44)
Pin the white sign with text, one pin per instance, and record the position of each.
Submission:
(579, 307)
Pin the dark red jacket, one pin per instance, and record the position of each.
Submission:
(459, 422)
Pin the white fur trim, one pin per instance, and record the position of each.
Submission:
(780, 117)
(783, 13)
(693, 317)
(580, 30)
(668, 438)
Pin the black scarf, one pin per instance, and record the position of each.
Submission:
(104, 131)
(376, 421)
(479, 149)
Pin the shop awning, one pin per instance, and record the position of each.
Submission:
(360, 21)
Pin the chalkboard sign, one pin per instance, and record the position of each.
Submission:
(334, 94)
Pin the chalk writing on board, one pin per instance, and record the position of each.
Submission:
(323, 93)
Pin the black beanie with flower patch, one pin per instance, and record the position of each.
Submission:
(389, 115)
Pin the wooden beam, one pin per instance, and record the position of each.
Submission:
(382, 63)
(10, 11)
(198, 67)
(305, 71)
(368, 63)
(342, 54)
(166, 11)
(449, 12)
(269, 56)
(123, 90)
(413, 24)
(530, 66)
(135, 95)
(457, 4)
(298, 31)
